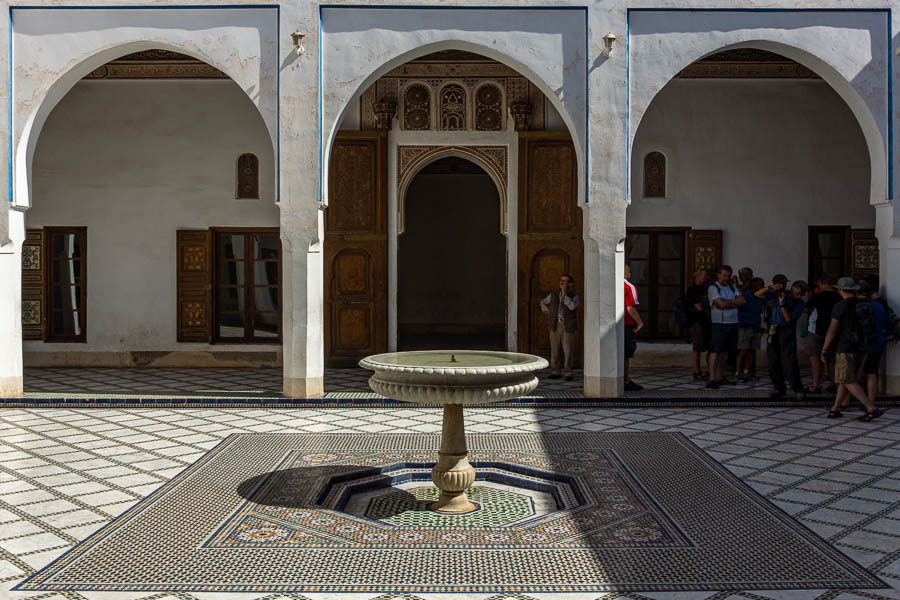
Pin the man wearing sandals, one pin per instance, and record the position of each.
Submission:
(849, 359)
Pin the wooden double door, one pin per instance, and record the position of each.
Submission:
(549, 242)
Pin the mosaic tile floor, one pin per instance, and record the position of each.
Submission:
(64, 473)
(340, 384)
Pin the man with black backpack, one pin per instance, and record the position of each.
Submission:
(851, 333)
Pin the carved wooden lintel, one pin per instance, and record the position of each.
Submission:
(384, 114)
(520, 112)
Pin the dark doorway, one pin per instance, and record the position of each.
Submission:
(451, 282)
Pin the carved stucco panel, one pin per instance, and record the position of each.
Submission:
(412, 159)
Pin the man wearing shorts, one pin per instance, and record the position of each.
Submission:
(724, 302)
(749, 330)
(872, 362)
(633, 324)
(696, 303)
(848, 359)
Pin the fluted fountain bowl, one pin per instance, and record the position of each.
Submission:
(453, 376)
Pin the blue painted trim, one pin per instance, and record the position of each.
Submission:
(461, 7)
(9, 102)
(890, 89)
(587, 109)
(804, 10)
(321, 34)
(627, 104)
(890, 72)
(277, 8)
(277, 103)
(587, 123)
(146, 7)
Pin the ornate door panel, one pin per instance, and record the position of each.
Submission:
(704, 251)
(194, 285)
(550, 237)
(356, 249)
(34, 304)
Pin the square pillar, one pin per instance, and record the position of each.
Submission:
(302, 301)
(886, 225)
(12, 233)
(604, 330)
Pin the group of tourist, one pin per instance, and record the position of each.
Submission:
(844, 330)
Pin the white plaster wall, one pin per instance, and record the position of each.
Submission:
(54, 49)
(850, 50)
(360, 44)
(134, 161)
(761, 160)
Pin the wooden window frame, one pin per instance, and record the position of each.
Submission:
(50, 259)
(812, 231)
(652, 317)
(249, 304)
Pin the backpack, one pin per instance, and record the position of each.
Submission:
(681, 316)
(862, 326)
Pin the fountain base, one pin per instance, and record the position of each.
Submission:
(453, 475)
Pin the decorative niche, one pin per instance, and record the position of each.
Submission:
(248, 176)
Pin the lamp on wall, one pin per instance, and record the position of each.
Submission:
(297, 38)
(609, 40)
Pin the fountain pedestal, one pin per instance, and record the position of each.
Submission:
(453, 474)
(453, 378)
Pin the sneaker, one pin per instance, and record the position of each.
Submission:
(712, 385)
(631, 386)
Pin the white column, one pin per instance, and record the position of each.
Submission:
(886, 224)
(604, 304)
(302, 301)
(12, 233)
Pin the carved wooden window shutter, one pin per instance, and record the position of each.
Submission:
(248, 176)
(194, 286)
(704, 251)
(34, 280)
(655, 175)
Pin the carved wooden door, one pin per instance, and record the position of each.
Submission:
(194, 285)
(550, 241)
(703, 251)
(356, 249)
(34, 282)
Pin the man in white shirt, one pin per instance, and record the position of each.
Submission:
(561, 308)
(724, 301)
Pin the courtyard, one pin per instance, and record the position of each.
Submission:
(689, 502)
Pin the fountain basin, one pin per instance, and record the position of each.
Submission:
(453, 376)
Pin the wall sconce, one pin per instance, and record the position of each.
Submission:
(609, 40)
(297, 38)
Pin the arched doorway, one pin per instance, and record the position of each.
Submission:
(153, 226)
(452, 260)
(752, 159)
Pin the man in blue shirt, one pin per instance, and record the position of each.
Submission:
(781, 349)
(872, 362)
(749, 330)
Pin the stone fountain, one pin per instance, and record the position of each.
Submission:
(453, 378)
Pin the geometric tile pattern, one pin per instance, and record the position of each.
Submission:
(339, 383)
(303, 502)
(66, 472)
(622, 536)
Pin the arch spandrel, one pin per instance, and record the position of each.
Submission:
(551, 56)
(245, 49)
(662, 43)
(412, 159)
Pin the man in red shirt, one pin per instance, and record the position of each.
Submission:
(633, 324)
